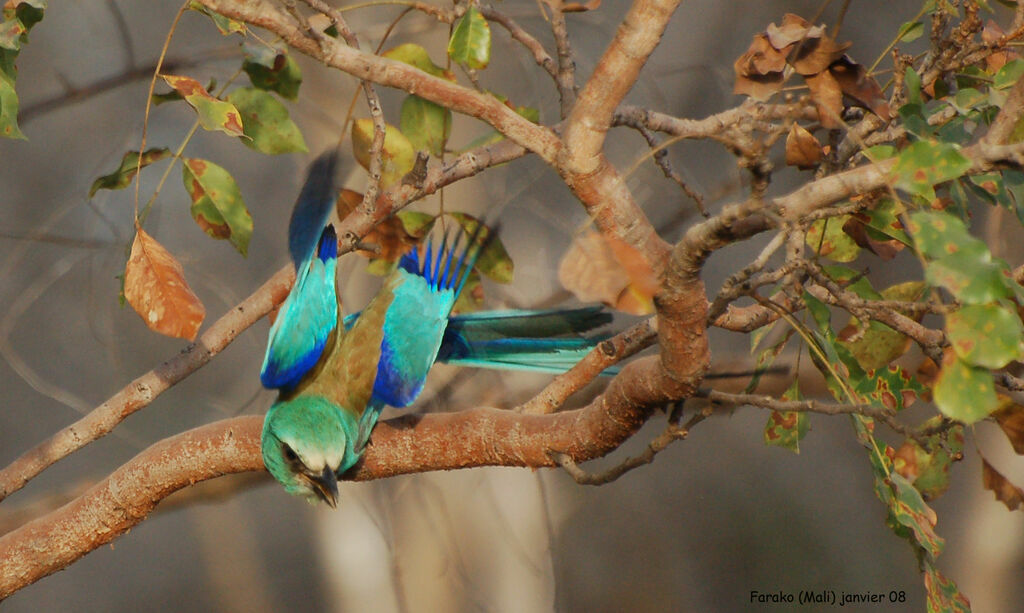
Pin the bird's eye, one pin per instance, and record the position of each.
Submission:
(289, 453)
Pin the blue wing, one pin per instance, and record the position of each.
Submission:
(417, 316)
(306, 319)
(309, 314)
(548, 340)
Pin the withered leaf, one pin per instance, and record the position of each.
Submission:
(827, 98)
(802, 149)
(1011, 419)
(595, 270)
(856, 229)
(759, 71)
(854, 81)
(1006, 492)
(814, 55)
(794, 28)
(155, 286)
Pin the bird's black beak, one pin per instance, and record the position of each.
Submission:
(325, 485)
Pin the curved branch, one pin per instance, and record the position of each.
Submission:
(140, 392)
(411, 444)
(396, 74)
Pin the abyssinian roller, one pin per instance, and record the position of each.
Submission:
(335, 378)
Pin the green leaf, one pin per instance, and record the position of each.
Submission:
(494, 261)
(912, 81)
(990, 187)
(923, 164)
(986, 335)
(214, 114)
(970, 276)
(417, 56)
(967, 99)
(416, 223)
(787, 428)
(427, 125)
(266, 122)
(942, 594)
(11, 31)
(226, 25)
(928, 468)
(880, 152)
(398, 153)
(852, 280)
(910, 31)
(963, 392)
(122, 177)
(1009, 74)
(938, 234)
(880, 344)
(8, 107)
(273, 70)
(909, 510)
(470, 44)
(217, 204)
(883, 221)
(826, 238)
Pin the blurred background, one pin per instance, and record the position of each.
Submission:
(713, 518)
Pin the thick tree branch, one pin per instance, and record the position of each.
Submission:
(140, 392)
(391, 73)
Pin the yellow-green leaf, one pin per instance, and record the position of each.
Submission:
(398, 153)
(963, 392)
(494, 261)
(122, 177)
(426, 125)
(214, 114)
(836, 245)
(470, 44)
(226, 25)
(266, 122)
(217, 204)
(417, 56)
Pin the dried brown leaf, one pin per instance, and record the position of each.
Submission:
(1006, 492)
(794, 29)
(155, 286)
(854, 81)
(814, 55)
(580, 7)
(828, 99)
(856, 229)
(1011, 419)
(802, 149)
(389, 235)
(589, 270)
(990, 35)
(760, 58)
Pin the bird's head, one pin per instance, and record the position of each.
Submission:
(306, 444)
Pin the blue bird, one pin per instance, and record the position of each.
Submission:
(335, 388)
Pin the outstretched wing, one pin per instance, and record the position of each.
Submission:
(310, 312)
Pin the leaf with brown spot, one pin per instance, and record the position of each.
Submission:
(827, 98)
(1010, 418)
(802, 149)
(155, 286)
(854, 81)
(1005, 491)
(214, 114)
(990, 34)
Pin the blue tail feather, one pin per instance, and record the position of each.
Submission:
(312, 208)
